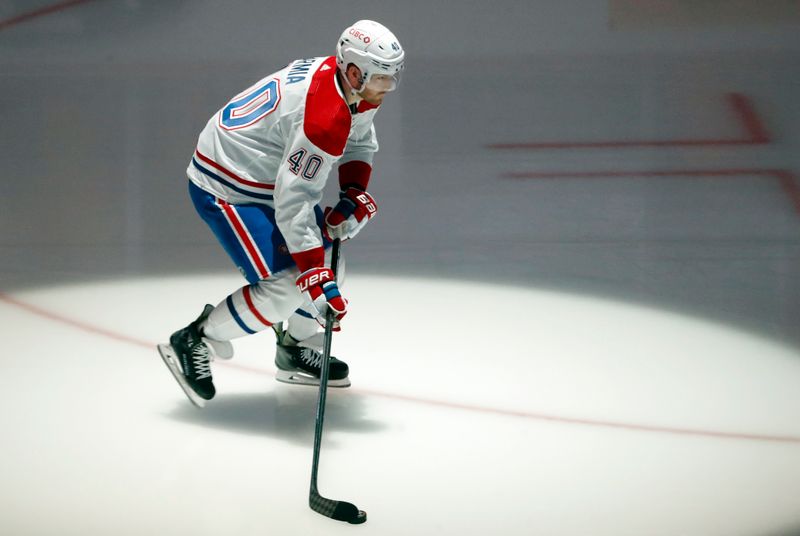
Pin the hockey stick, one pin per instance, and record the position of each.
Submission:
(338, 510)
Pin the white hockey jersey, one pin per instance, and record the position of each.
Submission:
(277, 142)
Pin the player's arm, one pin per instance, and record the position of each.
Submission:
(356, 206)
(355, 166)
(298, 189)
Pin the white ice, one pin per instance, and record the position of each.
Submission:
(608, 351)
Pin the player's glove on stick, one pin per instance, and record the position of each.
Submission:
(354, 209)
(321, 287)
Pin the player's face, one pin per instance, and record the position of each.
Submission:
(377, 87)
(382, 82)
(372, 96)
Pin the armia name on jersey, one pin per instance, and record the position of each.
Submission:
(298, 71)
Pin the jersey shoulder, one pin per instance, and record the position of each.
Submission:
(327, 118)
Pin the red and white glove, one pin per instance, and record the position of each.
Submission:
(354, 209)
(321, 287)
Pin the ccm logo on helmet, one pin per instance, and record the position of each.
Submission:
(358, 34)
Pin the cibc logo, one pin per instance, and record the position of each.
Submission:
(358, 34)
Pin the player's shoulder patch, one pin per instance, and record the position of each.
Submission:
(327, 118)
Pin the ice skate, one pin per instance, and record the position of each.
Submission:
(300, 363)
(188, 357)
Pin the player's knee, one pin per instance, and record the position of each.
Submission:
(276, 299)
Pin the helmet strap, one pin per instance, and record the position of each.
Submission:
(354, 93)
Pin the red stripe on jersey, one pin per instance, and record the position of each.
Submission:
(244, 238)
(249, 300)
(354, 173)
(327, 118)
(364, 106)
(232, 175)
(312, 258)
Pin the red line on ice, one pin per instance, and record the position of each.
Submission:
(46, 10)
(741, 105)
(637, 427)
(788, 181)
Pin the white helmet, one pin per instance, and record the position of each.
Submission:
(375, 50)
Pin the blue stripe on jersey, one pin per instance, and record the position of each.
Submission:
(303, 313)
(236, 316)
(229, 184)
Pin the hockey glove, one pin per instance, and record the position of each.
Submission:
(354, 209)
(321, 287)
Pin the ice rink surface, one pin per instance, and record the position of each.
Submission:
(576, 313)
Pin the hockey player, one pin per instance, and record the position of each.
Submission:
(257, 179)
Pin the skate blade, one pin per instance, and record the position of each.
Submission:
(171, 360)
(300, 378)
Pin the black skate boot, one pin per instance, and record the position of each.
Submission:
(302, 365)
(189, 359)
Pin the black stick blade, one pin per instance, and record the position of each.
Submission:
(338, 510)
